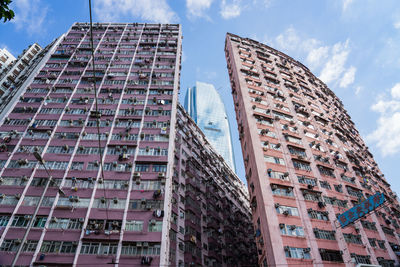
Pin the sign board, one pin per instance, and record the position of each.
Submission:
(361, 209)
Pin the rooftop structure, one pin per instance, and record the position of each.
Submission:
(305, 164)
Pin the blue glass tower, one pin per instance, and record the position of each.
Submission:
(204, 105)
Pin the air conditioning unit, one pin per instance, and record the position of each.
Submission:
(286, 213)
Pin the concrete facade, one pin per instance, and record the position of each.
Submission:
(305, 164)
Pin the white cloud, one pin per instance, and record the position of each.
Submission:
(335, 66)
(197, 8)
(317, 56)
(386, 135)
(348, 77)
(329, 59)
(230, 10)
(30, 15)
(155, 10)
(346, 4)
(395, 92)
(396, 25)
(288, 40)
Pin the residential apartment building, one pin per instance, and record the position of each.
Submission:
(6, 58)
(207, 109)
(118, 208)
(214, 221)
(305, 164)
(12, 72)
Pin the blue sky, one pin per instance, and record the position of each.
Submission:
(352, 45)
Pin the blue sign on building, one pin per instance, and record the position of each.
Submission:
(361, 209)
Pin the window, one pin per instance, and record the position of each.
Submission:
(4, 220)
(9, 200)
(155, 226)
(134, 226)
(113, 203)
(338, 188)
(324, 234)
(159, 168)
(277, 175)
(12, 245)
(297, 253)
(369, 225)
(147, 185)
(292, 230)
(66, 223)
(282, 191)
(331, 255)
(297, 151)
(58, 247)
(312, 196)
(55, 165)
(275, 160)
(381, 244)
(140, 248)
(318, 215)
(141, 204)
(99, 248)
(307, 180)
(326, 171)
(287, 210)
(294, 140)
(361, 258)
(350, 238)
(152, 152)
(300, 165)
(325, 184)
(335, 201)
(141, 168)
(372, 242)
(60, 149)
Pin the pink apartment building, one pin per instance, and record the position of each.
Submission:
(305, 164)
(163, 198)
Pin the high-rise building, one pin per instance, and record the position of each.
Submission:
(205, 106)
(10, 75)
(123, 208)
(305, 164)
(213, 202)
(6, 58)
(17, 72)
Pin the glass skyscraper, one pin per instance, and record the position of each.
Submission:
(205, 106)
